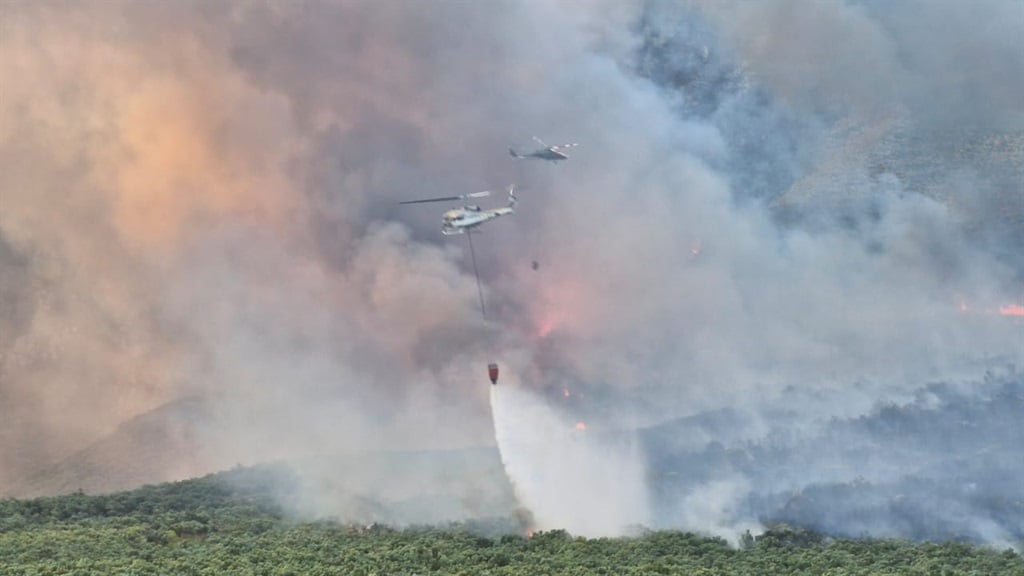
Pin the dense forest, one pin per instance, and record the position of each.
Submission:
(230, 523)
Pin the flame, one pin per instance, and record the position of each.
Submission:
(581, 426)
(546, 326)
(1011, 310)
(560, 304)
(566, 393)
(1007, 310)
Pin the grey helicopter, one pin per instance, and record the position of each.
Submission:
(549, 153)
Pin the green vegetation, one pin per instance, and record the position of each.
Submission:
(229, 524)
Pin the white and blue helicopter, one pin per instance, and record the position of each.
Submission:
(464, 219)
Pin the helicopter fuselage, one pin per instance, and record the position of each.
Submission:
(549, 154)
(459, 220)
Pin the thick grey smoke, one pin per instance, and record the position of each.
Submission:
(800, 202)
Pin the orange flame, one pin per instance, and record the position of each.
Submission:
(1011, 310)
(1007, 310)
(581, 426)
(547, 325)
(566, 393)
(560, 303)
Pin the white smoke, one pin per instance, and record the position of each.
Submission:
(567, 476)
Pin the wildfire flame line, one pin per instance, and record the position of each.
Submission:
(1011, 310)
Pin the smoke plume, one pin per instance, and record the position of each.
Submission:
(794, 211)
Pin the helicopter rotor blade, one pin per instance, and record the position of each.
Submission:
(449, 198)
(445, 199)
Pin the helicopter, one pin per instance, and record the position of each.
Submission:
(462, 220)
(549, 153)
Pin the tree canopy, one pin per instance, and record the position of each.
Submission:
(229, 523)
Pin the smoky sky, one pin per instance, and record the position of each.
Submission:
(201, 199)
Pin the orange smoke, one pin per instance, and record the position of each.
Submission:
(171, 169)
